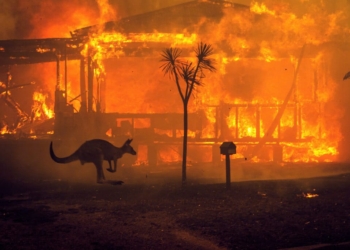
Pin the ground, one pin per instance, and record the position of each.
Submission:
(156, 212)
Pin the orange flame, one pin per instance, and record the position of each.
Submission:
(318, 131)
(257, 8)
(40, 109)
(309, 195)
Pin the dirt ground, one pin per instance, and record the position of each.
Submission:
(152, 210)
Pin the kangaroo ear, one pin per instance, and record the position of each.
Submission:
(128, 141)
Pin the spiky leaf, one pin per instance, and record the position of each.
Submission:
(203, 52)
(170, 57)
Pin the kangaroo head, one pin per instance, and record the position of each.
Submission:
(127, 147)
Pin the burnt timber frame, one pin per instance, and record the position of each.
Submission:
(32, 51)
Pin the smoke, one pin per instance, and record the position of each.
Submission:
(7, 19)
(130, 8)
(23, 19)
(45, 19)
(107, 13)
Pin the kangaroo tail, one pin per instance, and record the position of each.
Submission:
(72, 157)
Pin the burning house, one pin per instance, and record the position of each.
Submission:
(273, 93)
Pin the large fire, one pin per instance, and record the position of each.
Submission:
(250, 87)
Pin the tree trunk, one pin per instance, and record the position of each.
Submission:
(184, 148)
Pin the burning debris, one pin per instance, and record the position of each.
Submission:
(22, 123)
(309, 195)
(40, 109)
(21, 116)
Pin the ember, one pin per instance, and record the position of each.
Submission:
(309, 195)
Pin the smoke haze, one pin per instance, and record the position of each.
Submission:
(23, 19)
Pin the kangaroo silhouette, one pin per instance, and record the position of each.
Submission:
(96, 151)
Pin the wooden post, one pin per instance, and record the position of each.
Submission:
(65, 76)
(237, 130)
(83, 107)
(258, 114)
(57, 107)
(228, 172)
(90, 85)
(227, 149)
(103, 87)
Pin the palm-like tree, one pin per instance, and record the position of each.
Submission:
(191, 74)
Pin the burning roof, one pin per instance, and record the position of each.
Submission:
(174, 19)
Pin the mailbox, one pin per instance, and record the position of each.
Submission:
(228, 148)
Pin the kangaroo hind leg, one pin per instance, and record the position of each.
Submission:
(110, 169)
(114, 169)
(98, 164)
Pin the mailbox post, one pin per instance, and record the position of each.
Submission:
(227, 149)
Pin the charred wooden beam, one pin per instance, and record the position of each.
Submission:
(29, 51)
(90, 84)
(11, 103)
(83, 106)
